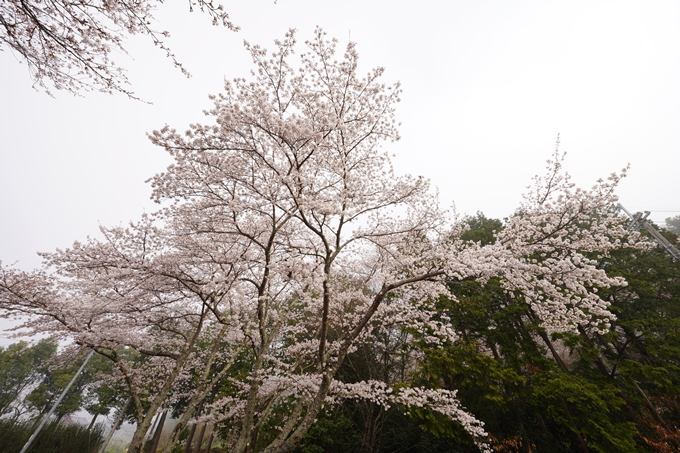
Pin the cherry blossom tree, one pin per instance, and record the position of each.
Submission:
(70, 44)
(124, 291)
(286, 240)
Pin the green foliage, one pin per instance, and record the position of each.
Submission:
(98, 398)
(363, 426)
(345, 428)
(53, 384)
(53, 438)
(334, 431)
(643, 348)
(573, 403)
(481, 229)
(21, 367)
(31, 379)
(564, 393)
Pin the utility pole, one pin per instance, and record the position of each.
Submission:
(640, 222)
(61, 397)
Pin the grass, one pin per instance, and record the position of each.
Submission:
(53, 438)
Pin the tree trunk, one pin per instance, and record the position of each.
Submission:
(138, 437)
(251, 403)
(190, 439)
(152, 430)
(210, 440)
(115, 426)
(94, 419)
(581, 446)
(157, 435)
(372, 427)
(200, 439)
(198, 400)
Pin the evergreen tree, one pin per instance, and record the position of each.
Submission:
(576, 391)
(21, 368)
(673, 224)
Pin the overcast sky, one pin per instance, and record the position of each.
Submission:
(487, 85)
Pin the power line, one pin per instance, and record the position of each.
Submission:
(658, 210)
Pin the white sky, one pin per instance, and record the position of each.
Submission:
(487, 87)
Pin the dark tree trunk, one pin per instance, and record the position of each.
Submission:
(210, 441)
(94, 419)
(190, 439)
(200, 439)
(157, 435)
